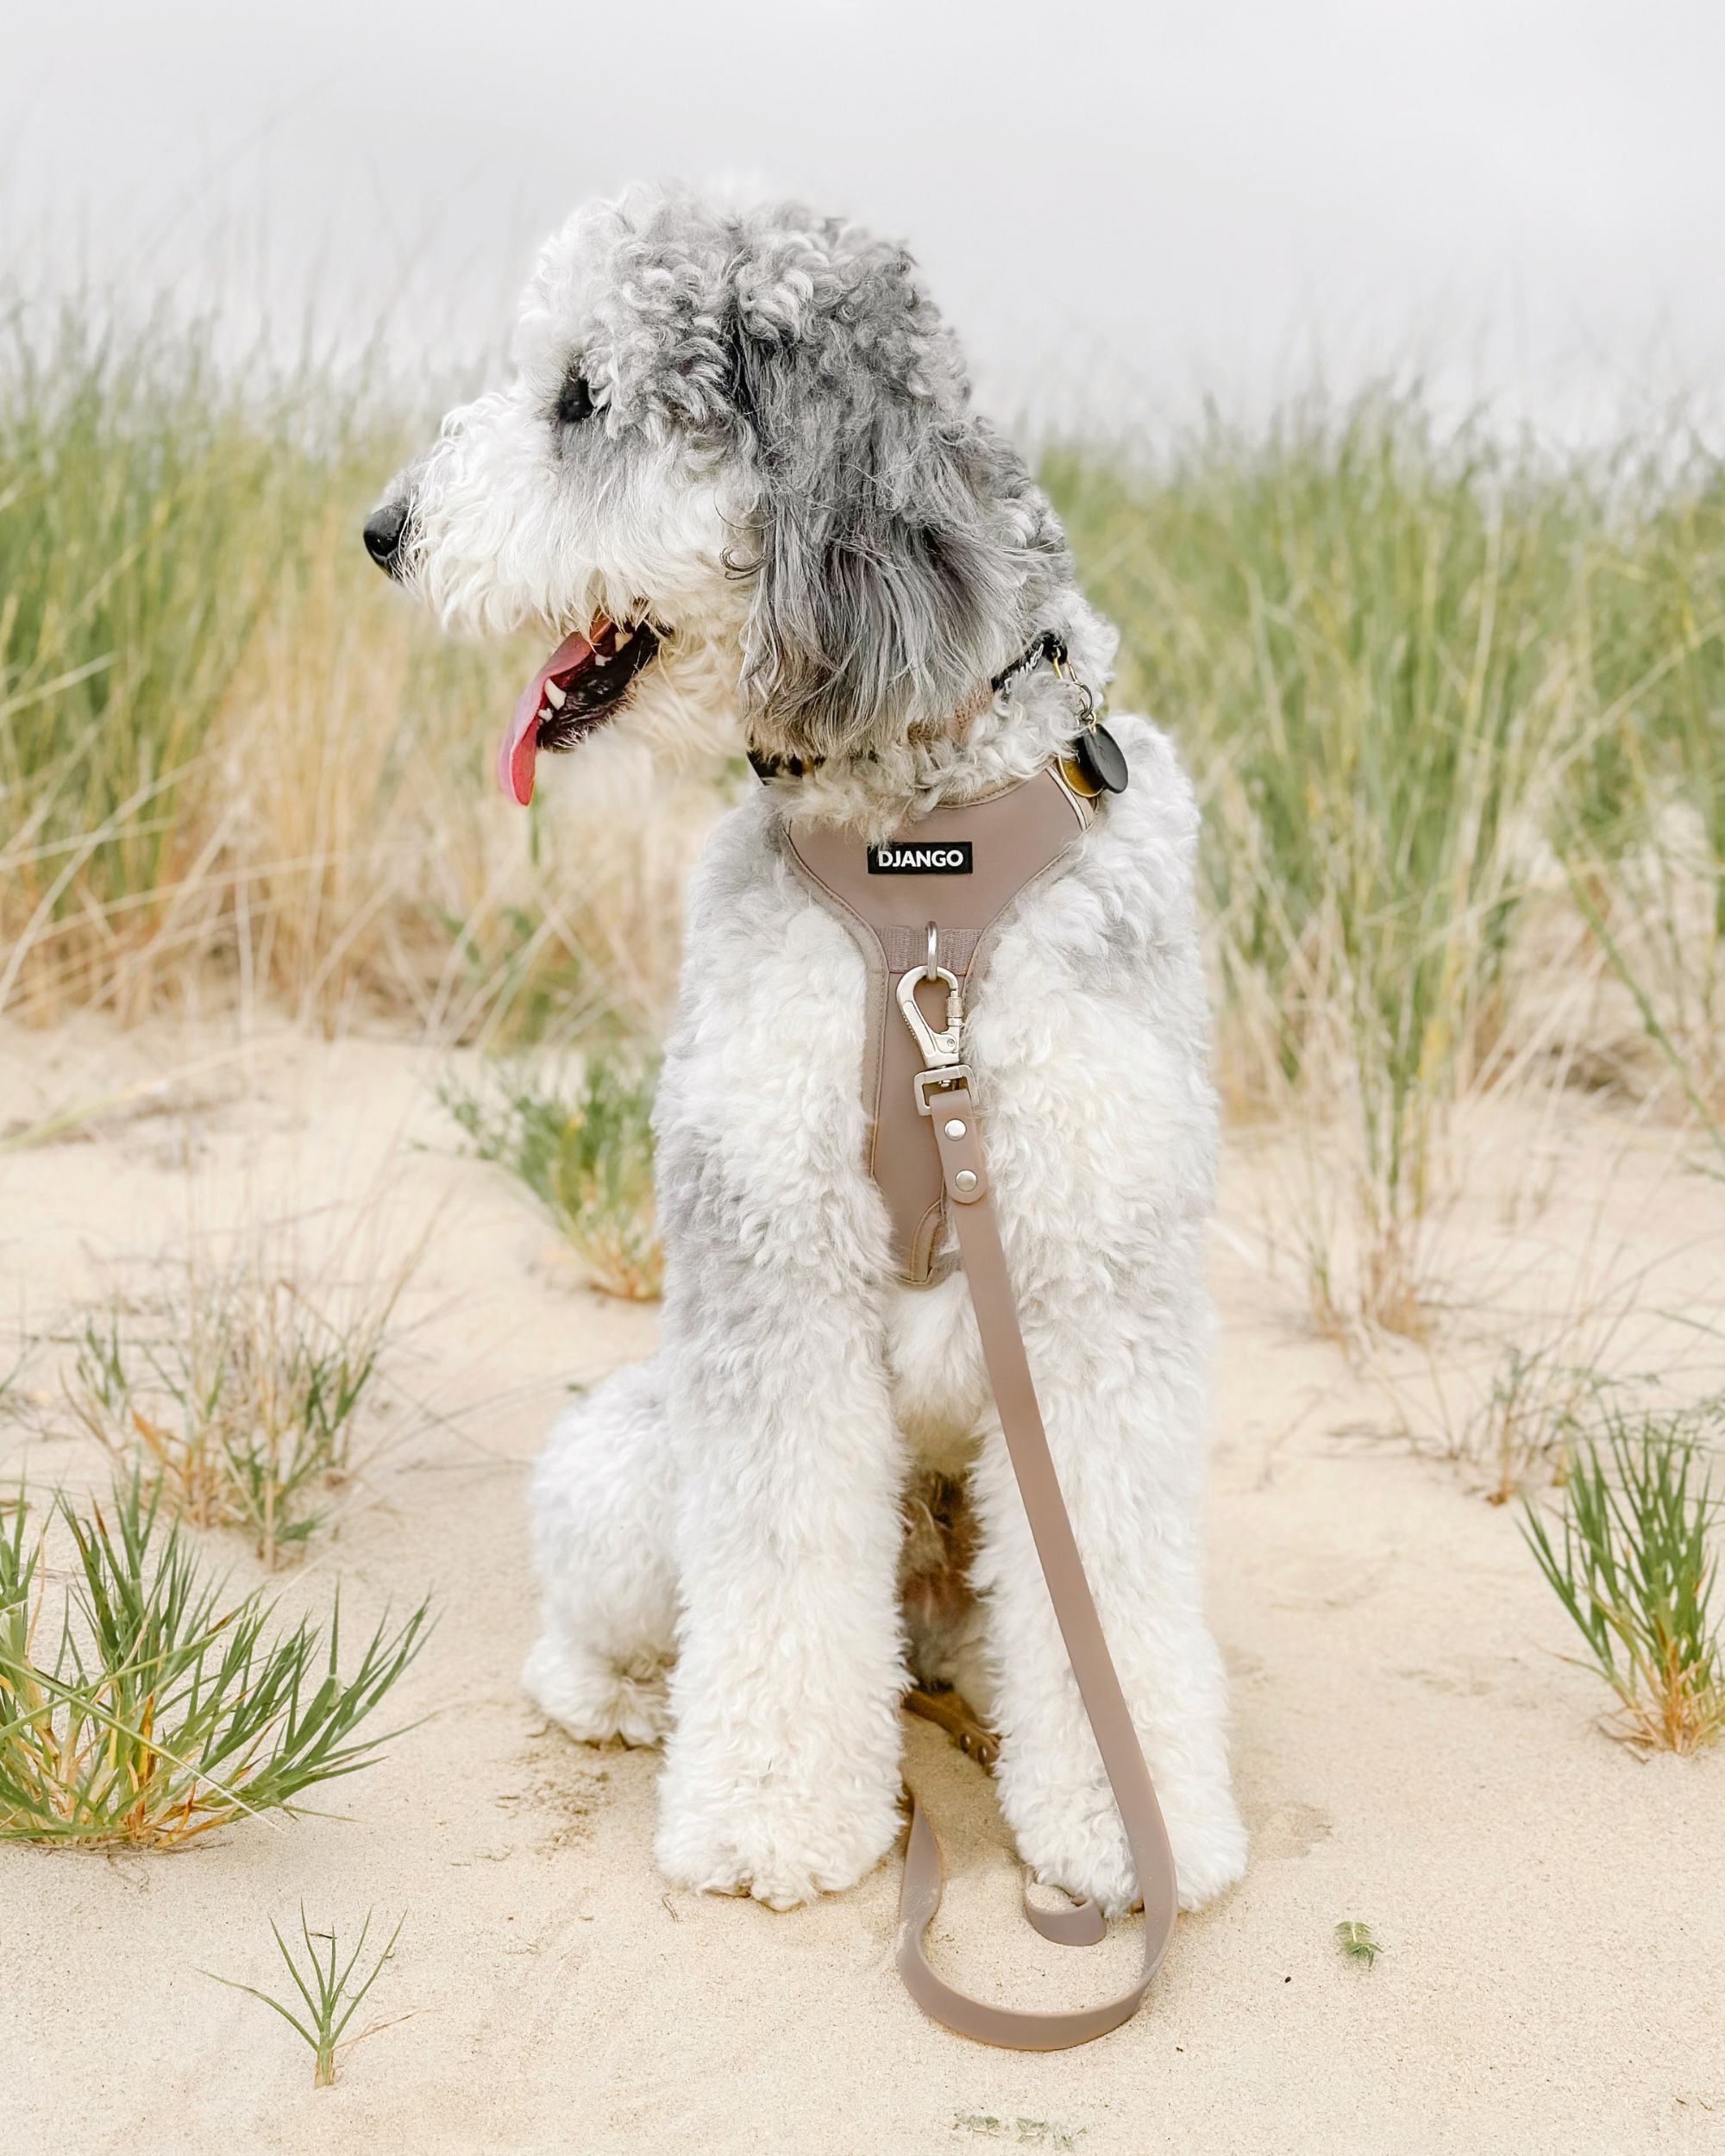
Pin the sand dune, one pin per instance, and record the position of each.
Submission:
(1412, 1751)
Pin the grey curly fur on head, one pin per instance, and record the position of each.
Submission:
(884, 549)
(900, 539)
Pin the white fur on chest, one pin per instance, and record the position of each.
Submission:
(1086, 1031)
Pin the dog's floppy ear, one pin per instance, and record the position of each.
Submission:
(881, 593)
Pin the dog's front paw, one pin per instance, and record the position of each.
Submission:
(1209, 1838)
(1072, 1837)
(783, 1847)
(593, 1698)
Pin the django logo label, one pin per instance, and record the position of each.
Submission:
(952, 859)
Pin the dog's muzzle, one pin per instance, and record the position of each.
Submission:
(385, 531)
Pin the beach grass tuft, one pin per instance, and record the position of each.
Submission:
(242, 1400)
(235, 763)
(1523, 1424)
(585, 1152)
(1637, 1565)
(1452, 706)
(153, 1707)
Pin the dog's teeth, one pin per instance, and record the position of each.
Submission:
(555, 696)
(624, 636)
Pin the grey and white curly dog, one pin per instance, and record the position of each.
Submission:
(738, 475)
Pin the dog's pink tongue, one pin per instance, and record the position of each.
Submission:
(520, 745)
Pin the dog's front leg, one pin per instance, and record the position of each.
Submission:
(1126, 1446)
(782, 1771)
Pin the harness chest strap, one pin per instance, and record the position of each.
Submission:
(896, 1089)
(1006, 842)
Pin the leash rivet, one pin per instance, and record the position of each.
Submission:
(954, 1129)
(966, 1177)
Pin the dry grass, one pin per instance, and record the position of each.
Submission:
(1454, 710)
(234, 765)
(339, 852)
(370, 862)
(1448, 704)
(244, 1397)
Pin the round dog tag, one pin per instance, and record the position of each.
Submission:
(1101, 758)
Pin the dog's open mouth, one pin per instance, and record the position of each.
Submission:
(577, 689)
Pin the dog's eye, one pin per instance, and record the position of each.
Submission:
(575, 404)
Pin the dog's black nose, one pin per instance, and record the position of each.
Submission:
(384, 528)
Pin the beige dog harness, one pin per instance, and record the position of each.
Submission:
(923, 908)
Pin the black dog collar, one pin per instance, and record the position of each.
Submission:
(1095, 751)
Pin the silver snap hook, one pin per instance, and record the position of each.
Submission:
(938, 1048)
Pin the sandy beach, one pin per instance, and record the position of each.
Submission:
(1413, 1750)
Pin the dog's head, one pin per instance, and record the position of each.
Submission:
(737, 472)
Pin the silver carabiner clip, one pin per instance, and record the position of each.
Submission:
(941, 1051)
(938, 1048)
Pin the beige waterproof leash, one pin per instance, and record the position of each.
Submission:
(941, 1086)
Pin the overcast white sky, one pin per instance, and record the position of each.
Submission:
(1122, 207)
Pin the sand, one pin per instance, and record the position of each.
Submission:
(1412, 1750)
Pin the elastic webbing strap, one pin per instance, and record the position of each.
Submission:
(1099, 1686)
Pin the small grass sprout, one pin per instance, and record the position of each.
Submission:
(329, 2005)
(588, 1157)
(1354, 1942)
(162, 1710)
(245, 1405)
(1636, 1569)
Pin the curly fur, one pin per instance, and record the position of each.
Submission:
(781, 471)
